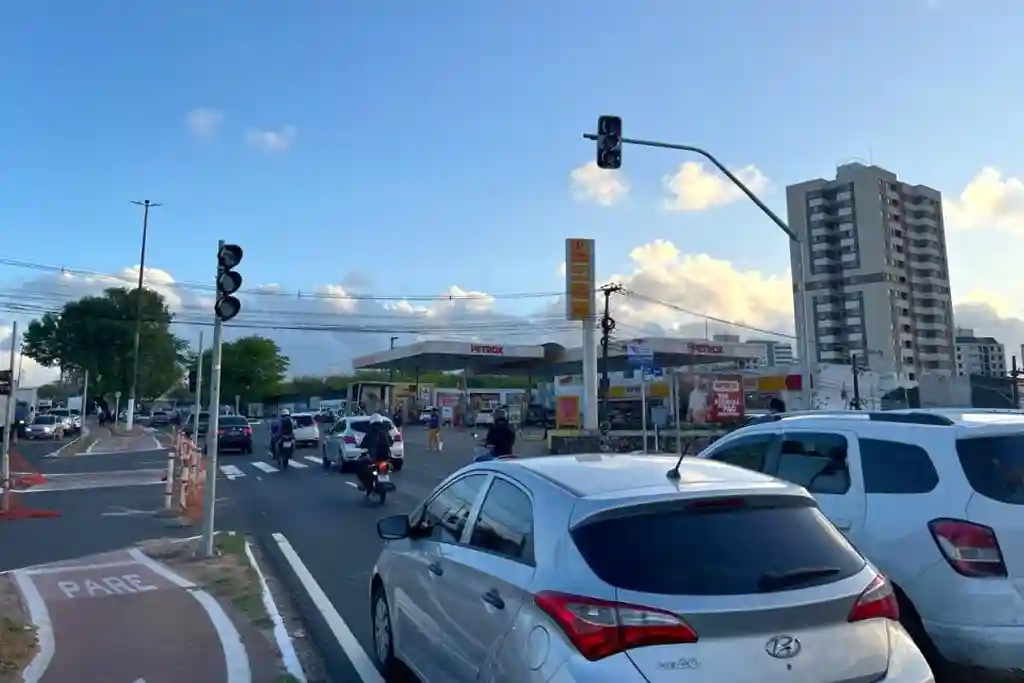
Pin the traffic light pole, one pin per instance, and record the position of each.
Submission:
(802, 326)
(212, 442)
(9, 415)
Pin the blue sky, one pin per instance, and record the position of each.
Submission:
(434, 141)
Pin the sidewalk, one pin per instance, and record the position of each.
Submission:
(125, 617)
(108, 442)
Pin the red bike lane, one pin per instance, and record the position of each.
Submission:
(123, 617)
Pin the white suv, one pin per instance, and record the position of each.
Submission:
(342, 446)
(934, 498)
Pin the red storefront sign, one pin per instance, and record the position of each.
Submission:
(487, 349)
(709, 349)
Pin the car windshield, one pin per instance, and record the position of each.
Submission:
(994, 466)
(362, 426)
(60, 413)
(303, 420)
(204, 417)
(728, 550)
(233, 421)
(44, 420)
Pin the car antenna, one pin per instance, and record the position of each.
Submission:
(673, 473)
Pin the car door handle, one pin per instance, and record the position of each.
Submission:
(435, 569)
(843, 524)
(494, 599)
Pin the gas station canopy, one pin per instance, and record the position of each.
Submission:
(550, 359)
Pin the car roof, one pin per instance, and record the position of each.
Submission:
(613, 475)
(965, 421)
(362, 418)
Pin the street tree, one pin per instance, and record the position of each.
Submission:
(251, 368)
(96, 333)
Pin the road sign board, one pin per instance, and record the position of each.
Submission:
(6, 387)
(650, 372)
(639, 353)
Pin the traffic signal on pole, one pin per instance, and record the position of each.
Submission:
(609, 142)
(228, 282)
(192, 380)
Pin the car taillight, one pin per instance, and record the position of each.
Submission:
(248, 431)
(398, 437)
(600, 628)
(220, 432)
(349, 439)
(878, 601)
(971, 549)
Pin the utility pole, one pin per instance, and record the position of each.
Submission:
(856, 381)
(391, 373)
(130, 417)
(1015, 373)
(607, 326)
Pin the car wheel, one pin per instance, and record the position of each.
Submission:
(383, 642)
(397, 464)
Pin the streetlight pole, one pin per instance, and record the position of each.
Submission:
(802, 327)
(130, 417)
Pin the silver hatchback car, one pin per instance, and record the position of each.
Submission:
(600, 568)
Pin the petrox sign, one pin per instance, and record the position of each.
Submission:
(487, 349)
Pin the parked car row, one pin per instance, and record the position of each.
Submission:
(53, 424)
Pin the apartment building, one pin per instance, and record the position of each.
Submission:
(877, 275)
(979, 355)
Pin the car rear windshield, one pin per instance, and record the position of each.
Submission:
(770, 545)
(229, 421)
(45, 420)
(60, 413)
(362, 426)
(303, 421)
(994, 466)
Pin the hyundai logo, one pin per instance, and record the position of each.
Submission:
(782, 647)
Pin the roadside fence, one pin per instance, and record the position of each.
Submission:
(185, 478)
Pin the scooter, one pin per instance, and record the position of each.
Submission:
(285, 450)
(380, 481)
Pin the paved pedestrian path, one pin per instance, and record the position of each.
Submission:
(124, 617)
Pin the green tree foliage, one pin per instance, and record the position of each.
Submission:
(97, 333)
(251, 368)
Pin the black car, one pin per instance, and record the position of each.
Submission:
(234, 433)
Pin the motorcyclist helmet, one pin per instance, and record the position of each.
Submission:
(499, 416)
(376, 418)
(285, 412)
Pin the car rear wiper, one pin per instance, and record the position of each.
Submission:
(777, 581)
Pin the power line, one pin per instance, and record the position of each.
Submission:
(732, 323)
(298, 294)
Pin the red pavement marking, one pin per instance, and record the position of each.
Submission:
(116, 619)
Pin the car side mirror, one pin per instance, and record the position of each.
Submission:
(393, 528)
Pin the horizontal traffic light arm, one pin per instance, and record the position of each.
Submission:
(726, 172)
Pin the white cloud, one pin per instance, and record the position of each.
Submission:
(991, 201)
(204, 123)
(605, 187)
(561, 269)
(32, 373)
(280, 140)
(695, 188)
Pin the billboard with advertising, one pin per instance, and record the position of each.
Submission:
(710, 398)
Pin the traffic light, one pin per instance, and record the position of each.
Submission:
(192, 380)
(228, 282)
(609, 142)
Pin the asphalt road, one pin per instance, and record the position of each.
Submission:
(331, 525)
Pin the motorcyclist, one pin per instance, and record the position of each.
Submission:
(376, 446)
(500, 436)
(283, 426)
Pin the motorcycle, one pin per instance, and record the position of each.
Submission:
(380, 481)
(285, 450)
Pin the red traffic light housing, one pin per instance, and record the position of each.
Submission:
(228, 282)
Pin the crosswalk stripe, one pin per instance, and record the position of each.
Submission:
(231, 471)
(313, 458)
(296, 463)
(264, 466)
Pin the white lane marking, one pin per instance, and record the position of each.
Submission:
(76, 567)
(284, 642)
(231, 472)
(296, 463)
(84, 433)
(313, 458)
(342, 633)
(40, 617)
(264, 466)
(235, 657)
(352, 484)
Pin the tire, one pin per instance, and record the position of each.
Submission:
(383, 638)
(397, 464)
